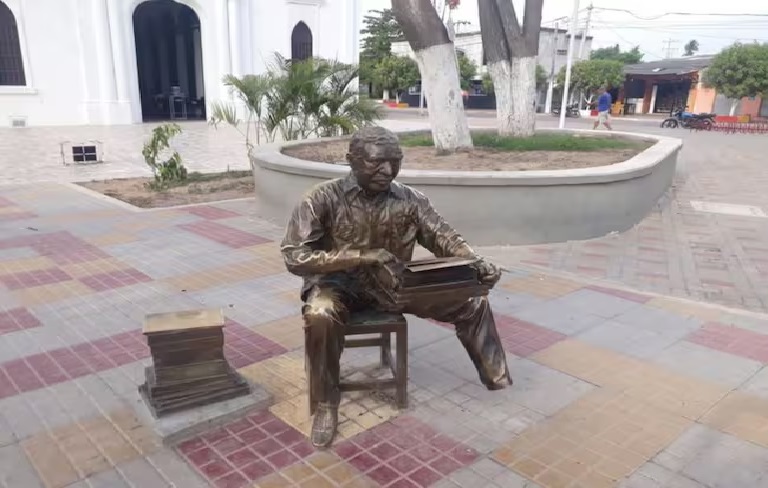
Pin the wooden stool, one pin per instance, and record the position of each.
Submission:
(384, 324)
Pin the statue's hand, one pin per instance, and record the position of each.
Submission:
(489, 273)
(377, 257)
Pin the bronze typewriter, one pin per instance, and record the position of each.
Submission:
(432, 280)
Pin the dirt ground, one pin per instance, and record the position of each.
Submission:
(480, 159)
(209, 188)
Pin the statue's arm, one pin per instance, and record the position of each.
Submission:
(300, 246)
(436, 235)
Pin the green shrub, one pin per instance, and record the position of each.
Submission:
(172, 170)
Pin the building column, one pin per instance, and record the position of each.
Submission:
(120, 62)
(107, 93)
(233, 18)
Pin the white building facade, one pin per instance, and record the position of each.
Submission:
(105, 62)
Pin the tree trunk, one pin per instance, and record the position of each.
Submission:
(734, 103)
(514, 83)
(436, 56)
(511, 51)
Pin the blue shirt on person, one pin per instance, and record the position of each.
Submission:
(604, 102)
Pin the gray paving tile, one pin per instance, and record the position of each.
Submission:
(15, 469)
(651, 475)
(510, 479)
(422, 332)
(566, 319)
(595, 303)
(641, 342)
(658, 320)
(467, 478)
(708, 364)
(107, 479)
(715, 459)
(757, 384)
(488, 468)
(542, 389)
(176, 470)
(140, 473)
(506, 303)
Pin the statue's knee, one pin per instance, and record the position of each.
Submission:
(321, 314)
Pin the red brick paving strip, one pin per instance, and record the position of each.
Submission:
(8, 217)
(31, 279)
(211, 213)
(241, 452)
(223, 234)
(61, 247)
(405, 452)
(519, 337)
(733, 340)
(115, 279)
(627, 295)
(242, 347)
(524, 338)
(17, 319)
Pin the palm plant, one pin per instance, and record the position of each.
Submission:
(299, 99)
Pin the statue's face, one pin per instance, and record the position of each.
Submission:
(377, 166)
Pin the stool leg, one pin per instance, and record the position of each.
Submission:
(401, 337)
(386, 349)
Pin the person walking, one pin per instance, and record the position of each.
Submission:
(603, 109)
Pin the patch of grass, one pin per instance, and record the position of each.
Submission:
(538, 142)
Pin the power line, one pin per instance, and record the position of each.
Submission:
(709, 14)
(668, 49)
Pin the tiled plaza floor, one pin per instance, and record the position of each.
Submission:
(612, 387)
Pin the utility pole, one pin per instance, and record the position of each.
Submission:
(586, 30)
(551, 85)
(668, 48)
(569, 62)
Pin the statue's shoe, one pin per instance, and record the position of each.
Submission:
(324, 425)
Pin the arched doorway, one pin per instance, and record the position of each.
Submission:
(169, 60)
(301, 42)
(11, 62)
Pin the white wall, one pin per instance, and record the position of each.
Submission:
(80, 56)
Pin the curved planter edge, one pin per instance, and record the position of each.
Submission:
(568, 204)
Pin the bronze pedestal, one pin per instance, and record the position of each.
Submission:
(188, 364)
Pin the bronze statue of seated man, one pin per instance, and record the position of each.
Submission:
(339, 232)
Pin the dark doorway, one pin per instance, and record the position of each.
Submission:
(169, 59)
(671, 95)
(11, 62)
(301, 42)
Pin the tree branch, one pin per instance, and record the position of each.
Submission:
(492, 32)
(421, 25)
(532, 25)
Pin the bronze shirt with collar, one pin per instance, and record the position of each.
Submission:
(336, 221)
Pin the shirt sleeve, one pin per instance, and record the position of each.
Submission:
(436, 235)
(301, 246)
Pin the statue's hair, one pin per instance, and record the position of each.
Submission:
(371, 135)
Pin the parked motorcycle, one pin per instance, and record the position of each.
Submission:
(689, 120)
(572, 111)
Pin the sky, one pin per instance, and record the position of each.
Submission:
(610, 27)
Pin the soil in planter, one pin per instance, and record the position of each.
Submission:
(198, 188)
(494, 153)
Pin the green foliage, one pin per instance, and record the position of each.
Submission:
(740, 70)
(396, 73)
(591, 74)
(614, 53)
(297, 100)
(170, 171)
(538, 142)
(691, 47)
(467, 70)
(487, 83)
(380, 30)
(542, 76)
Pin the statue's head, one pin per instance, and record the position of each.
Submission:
(374, 156)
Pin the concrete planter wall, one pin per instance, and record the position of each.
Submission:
(502, 207)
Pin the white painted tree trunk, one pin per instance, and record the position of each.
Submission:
(734, 103)
(385, 95)
(514, 83)
(440, 79)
